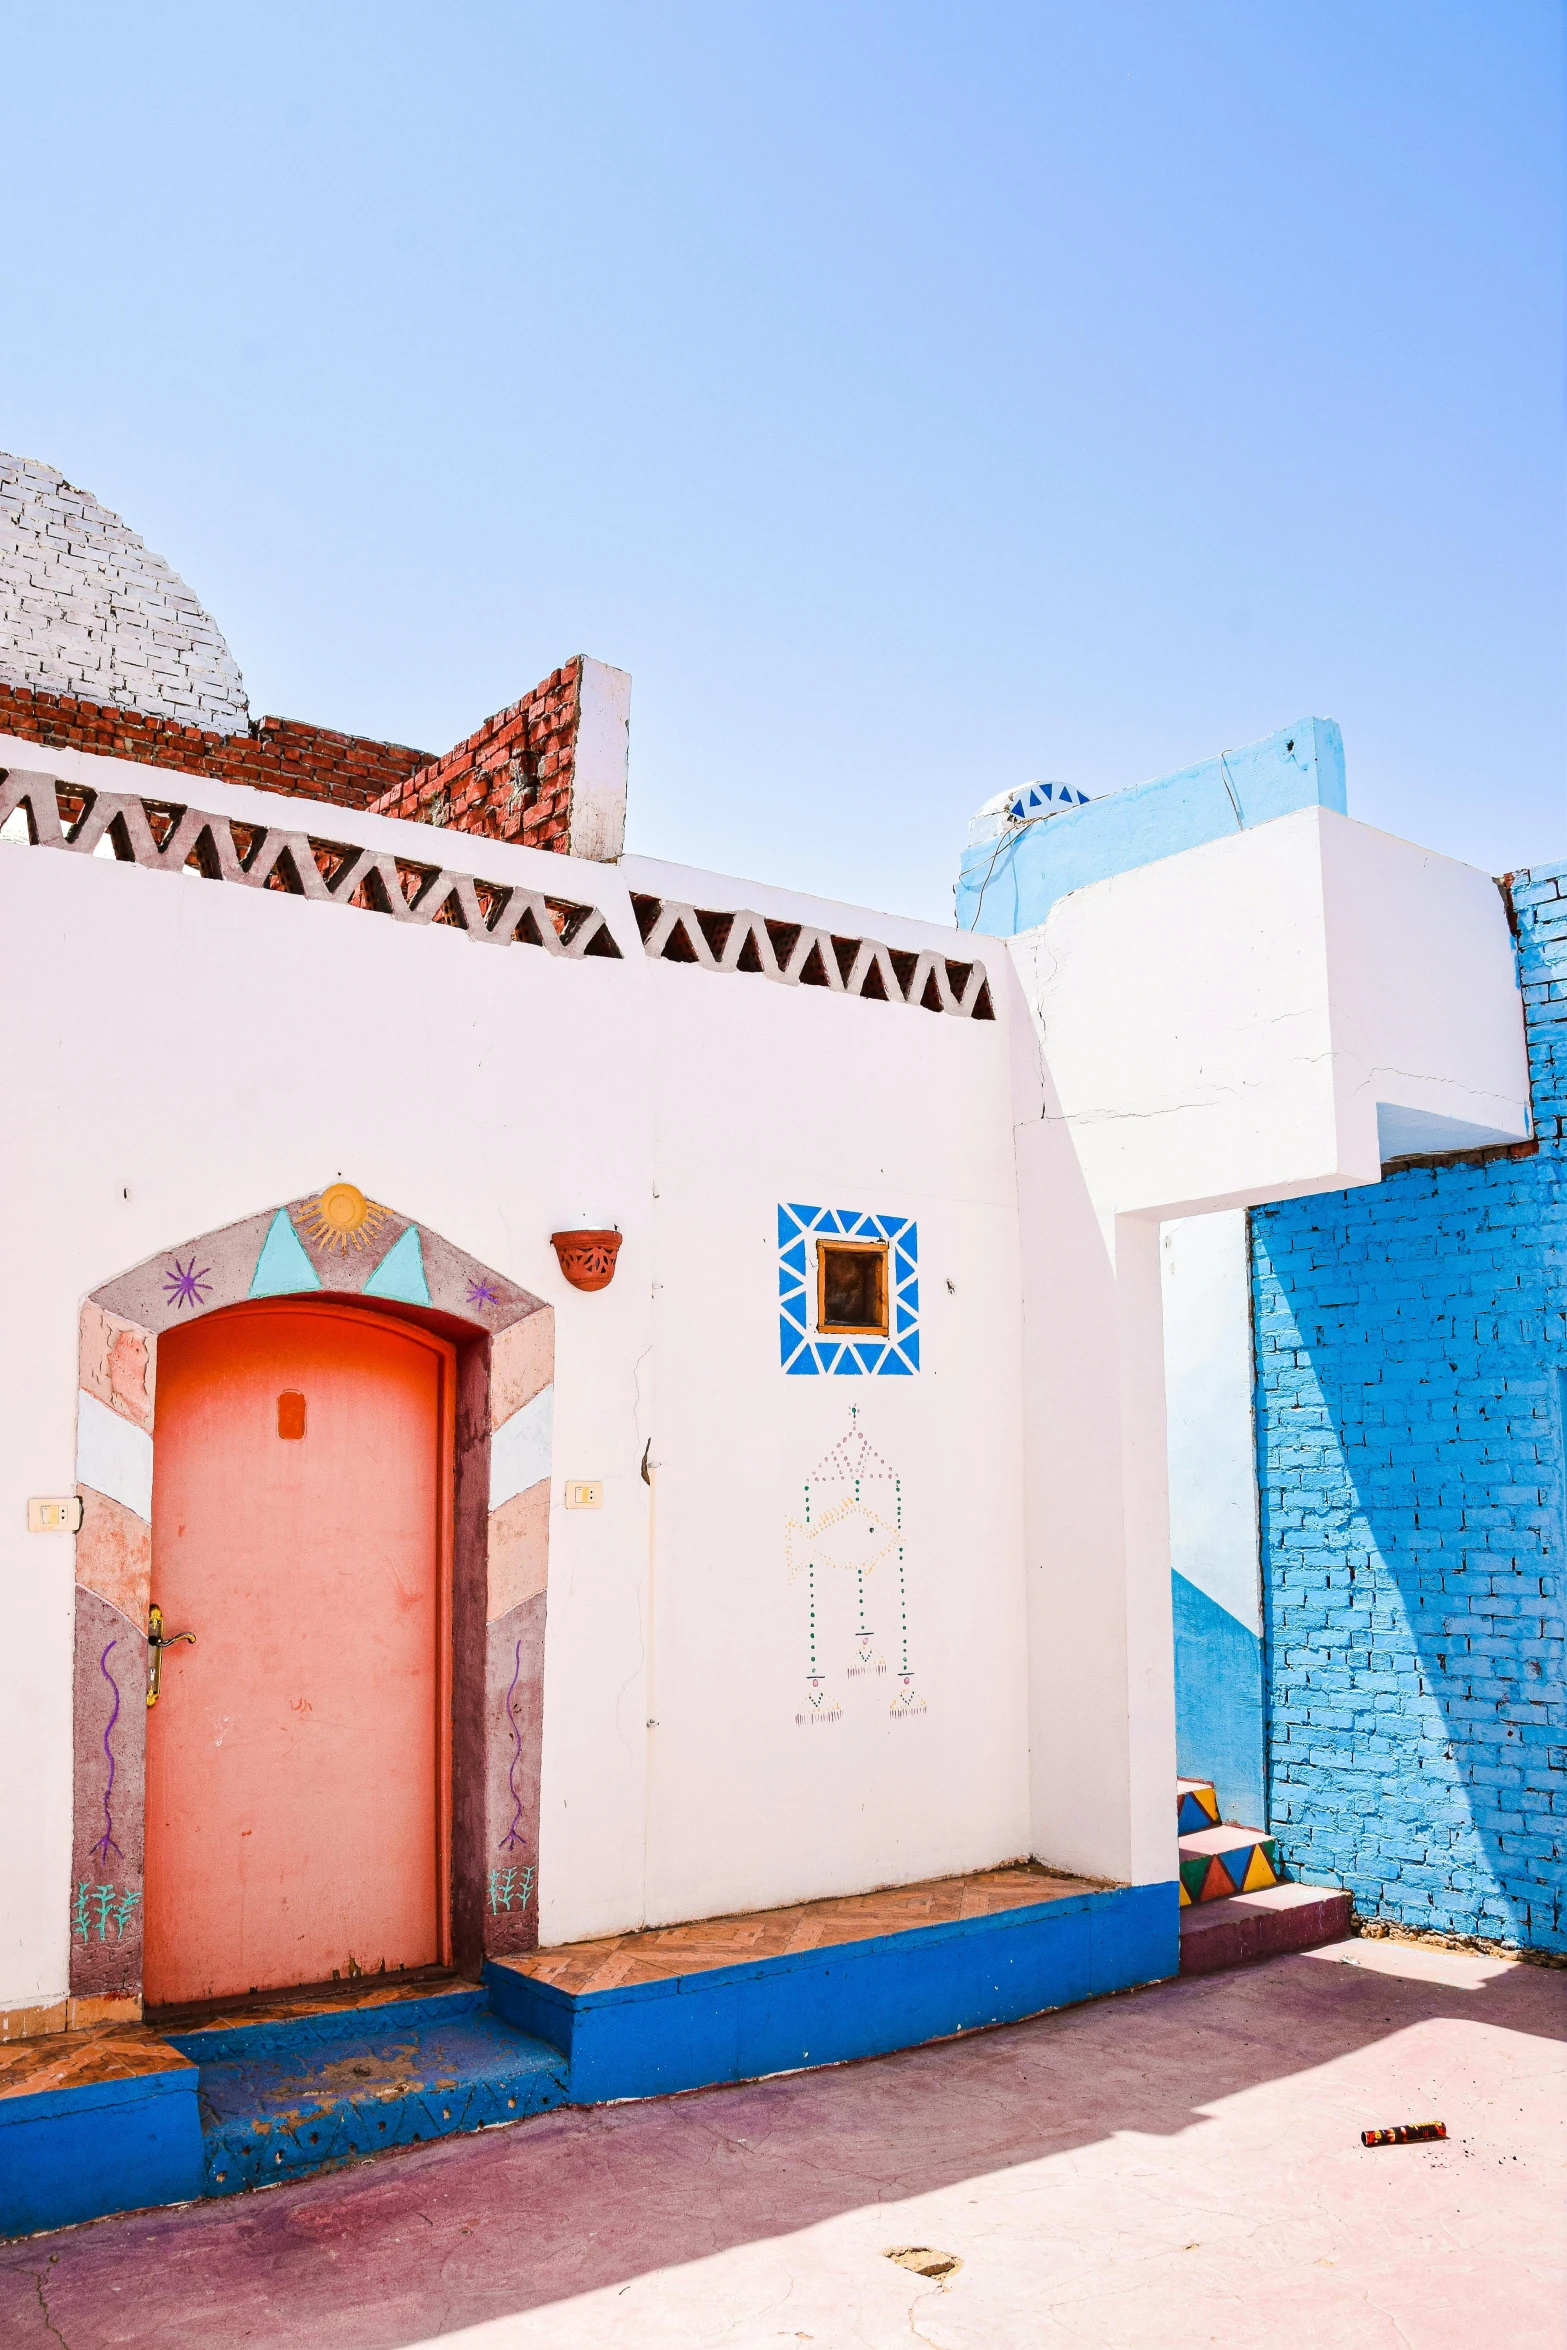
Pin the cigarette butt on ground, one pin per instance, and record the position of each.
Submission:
(1406, 2134)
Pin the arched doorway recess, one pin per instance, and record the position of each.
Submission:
(298, 1758)
(454, 1364)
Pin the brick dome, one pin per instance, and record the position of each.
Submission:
(87, 609)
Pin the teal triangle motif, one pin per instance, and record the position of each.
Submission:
(401, 1272)
(282, 1269)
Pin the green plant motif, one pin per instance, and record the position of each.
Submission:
(102, 1906)
(510, 1889)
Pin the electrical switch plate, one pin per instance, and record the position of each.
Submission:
(585, 1493)
(55, 1516)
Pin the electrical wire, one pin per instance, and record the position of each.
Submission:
(1009, 840)
(1015, 831)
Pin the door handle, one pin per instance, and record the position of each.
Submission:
(157, 1641)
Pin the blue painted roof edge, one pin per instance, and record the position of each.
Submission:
(1010, 883)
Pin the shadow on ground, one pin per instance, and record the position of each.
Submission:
(417, 2245)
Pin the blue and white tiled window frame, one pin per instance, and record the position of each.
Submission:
(803, 1351)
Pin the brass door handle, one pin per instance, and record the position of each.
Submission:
(157, 1641)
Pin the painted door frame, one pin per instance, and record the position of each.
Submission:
(501, 1341)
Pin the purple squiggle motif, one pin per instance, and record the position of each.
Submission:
(106, 1844)
(514, 1834)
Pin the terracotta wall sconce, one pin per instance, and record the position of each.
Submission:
(587, 1258)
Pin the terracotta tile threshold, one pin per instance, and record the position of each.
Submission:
(78, 2060)
(304, 1999)
(659, 1952)
(120, 2052)
(125, 2051)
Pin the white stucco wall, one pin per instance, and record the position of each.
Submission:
(1222, 1027)
(186, 1052)
(599, 769)
(746, 1807)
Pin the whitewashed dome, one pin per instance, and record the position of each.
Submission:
(87, 609)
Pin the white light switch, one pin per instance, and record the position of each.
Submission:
(49, 1516)
(585, 1493)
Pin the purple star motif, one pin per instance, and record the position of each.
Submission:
(481, 1294)
(185, 1286)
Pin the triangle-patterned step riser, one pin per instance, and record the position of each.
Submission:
(1196, 1806)
(1249, 1864)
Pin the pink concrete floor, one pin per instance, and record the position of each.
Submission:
(1180, 2167)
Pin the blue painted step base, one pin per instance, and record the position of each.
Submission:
(278, 2101)
(219, 2108)
(120, 2145)
(845, 2000)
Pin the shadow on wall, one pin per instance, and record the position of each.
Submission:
(1411, 1473)
(1219, 1730)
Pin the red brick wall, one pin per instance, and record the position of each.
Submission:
(511, 780)
(276, 754)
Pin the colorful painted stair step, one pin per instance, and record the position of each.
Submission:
(1196, 1806)
(1216, 1862)
(279, 2101)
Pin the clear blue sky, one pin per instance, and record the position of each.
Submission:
(916, 399)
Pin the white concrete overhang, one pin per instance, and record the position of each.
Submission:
(1272, 1014)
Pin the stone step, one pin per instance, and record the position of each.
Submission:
(215, 2096)
(1217, 1863)
(1261, 1925)
(1196, 1806)
(280, 2100)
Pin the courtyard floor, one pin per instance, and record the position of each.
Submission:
(1178, 2167)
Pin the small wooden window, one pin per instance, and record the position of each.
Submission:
(291, 1415)
(851, 1286)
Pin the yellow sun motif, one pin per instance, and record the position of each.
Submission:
(342, 1218)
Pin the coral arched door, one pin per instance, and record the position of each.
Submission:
(297, 1754)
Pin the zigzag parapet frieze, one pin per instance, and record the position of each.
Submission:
(796, 954)
(162, 836)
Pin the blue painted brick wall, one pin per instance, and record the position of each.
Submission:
(1411, 1359)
